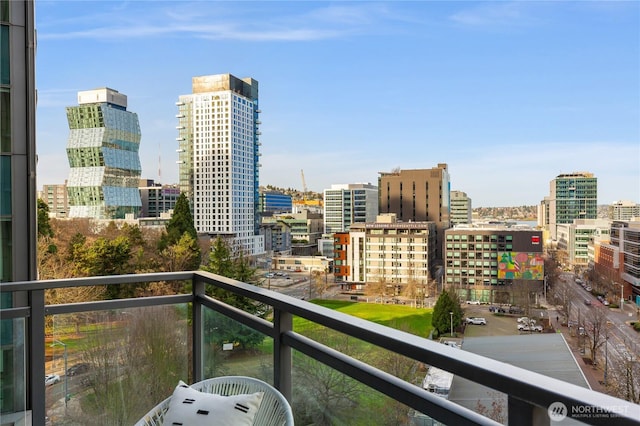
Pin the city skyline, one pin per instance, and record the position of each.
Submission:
(508, 94)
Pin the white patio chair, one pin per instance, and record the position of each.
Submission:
(274, 408)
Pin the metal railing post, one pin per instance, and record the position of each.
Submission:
(283, 322)
(196, 328)
(35, 356)
(519, 412)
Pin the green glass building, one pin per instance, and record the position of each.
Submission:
(102, 148)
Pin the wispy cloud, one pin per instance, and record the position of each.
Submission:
(219, 21)
(496, 15)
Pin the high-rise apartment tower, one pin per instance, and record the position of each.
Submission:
(218, 156)
(104, 139)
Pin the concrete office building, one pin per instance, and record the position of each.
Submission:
(500, 264)
(218, 158)
(156, 198)
(460, 208)
(574, 239)
(421, 195)
(389, 251)
(18, 232)
(103, 144)
(625, 210)
(56, 197)
(625, 238)
(348, 204)
(572, 196)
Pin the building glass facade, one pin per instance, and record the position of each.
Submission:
(17, 202)
(345, 205)
(572, 196)
(102, 149)
(275, 202)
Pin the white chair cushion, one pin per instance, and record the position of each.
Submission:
(190, 407)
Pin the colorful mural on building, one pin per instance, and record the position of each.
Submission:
(520, 266)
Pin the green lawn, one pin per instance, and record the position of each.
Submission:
(402, 317)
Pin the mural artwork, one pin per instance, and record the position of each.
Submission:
(520, 266)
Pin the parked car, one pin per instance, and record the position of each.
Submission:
(587, 302)
(516, 310)
(588, 288)
(473, 302)
(523, 320)
(530, 327)
(477, 321)
(605, 302)
(51, 379)
(78, 369)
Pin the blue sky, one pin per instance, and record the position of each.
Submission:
(508, 94)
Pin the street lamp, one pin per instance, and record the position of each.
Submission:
(66, 378)
(451, 315)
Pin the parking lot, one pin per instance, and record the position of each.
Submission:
(497, 325)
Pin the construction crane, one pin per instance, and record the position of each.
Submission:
(304, 186)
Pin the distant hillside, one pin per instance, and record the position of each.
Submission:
(513, 213)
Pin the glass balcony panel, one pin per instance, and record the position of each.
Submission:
(230, 348)
(114, 365)
(13, 371)
(322, 395)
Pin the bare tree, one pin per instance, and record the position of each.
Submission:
(625, 381)
(595, 327)
(376, 288)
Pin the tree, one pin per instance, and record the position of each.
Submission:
(376, 288)
(44, 226)
(184, 255)
(322, 395)
(223, 261)
(595, 326)
(152, 346)
(181, 221)
(441, 319)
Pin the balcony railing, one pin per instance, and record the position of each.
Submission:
(529, 395)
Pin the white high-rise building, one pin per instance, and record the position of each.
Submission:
(348, 204)
(218, 157)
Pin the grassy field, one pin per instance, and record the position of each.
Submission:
(402, 317)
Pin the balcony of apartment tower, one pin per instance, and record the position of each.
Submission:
(110, 361)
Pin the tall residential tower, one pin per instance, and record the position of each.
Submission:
(218, 157)
(104, 139)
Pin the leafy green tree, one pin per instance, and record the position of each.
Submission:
(221, 329)
(44, 226)
(441, 319)
(184, 255)
(181, 221)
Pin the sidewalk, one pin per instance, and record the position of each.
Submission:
(593, 373)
